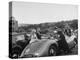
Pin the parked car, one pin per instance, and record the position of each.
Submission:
(19, 42)
(39, 48)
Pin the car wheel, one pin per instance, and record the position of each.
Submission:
(15, 53)
(52, 51)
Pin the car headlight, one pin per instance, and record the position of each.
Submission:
(36, 54)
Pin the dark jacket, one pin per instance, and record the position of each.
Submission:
(62, 42)
(38, 35)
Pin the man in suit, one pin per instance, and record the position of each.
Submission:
(62, 42)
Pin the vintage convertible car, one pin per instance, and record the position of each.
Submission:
(46, 47)
(39, 48)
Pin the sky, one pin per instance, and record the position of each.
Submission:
(35, 13)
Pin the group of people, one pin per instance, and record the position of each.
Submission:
(36, 35)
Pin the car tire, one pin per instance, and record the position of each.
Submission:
(52, 51)
(15, 53)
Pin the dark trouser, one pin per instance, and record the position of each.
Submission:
(63, 45)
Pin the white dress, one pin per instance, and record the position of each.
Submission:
(33, 38)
